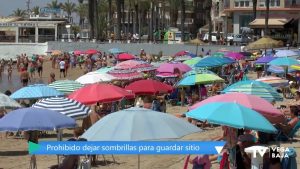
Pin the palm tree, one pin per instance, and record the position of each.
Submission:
(254, 8)
(174, 4)
(208, 11)
(118, 33)
(53, 4)
(182, 19)
(19, 12)
(91, 18)
(69, 8)
(267, 17)
(110, 15)
(82, 10)
(36, 10)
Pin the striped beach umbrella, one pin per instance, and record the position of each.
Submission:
(257, 88)
(66, 86)
(66, 106)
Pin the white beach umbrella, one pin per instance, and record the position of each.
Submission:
(95, 77)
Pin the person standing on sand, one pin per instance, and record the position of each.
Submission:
(62, 68)
(40, 66)
(24, 77)
(9, 72)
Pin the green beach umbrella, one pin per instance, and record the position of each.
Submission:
(66, 86)
(257, 88)
(204, 78)
(192, 62)
(218, 54)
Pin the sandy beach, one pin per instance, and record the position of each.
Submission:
(14, 152)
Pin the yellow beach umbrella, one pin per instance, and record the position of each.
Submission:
(56, 52)
(295, 67)
(264, 43)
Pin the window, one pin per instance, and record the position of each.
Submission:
(273, 3)
(243, 3)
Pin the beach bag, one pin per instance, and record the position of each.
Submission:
(85, 163)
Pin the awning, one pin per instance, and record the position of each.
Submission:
(272, 22)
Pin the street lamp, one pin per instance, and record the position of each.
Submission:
(68, 26)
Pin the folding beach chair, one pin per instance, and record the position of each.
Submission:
(283, 137)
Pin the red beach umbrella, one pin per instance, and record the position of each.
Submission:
(125, 56)
(149, 87)
(102, 93)
(91, 51)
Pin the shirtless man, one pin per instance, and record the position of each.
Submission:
(24, 77)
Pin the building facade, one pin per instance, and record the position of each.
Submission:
(283, 18)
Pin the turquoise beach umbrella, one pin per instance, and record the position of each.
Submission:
(104, 70)
(232, 115)
(115, 51)
(253, 87)
(284, 61)
(203, 78)
(214, 61)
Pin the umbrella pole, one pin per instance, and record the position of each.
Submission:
(139, 161)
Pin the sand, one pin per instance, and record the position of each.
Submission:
(14, 152)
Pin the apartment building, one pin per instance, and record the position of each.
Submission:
(283, 18)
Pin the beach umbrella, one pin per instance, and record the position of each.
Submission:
(235, 55)
(115, 51)
(295, 67)
(56, 52)
(198, 71)
(284, 61)
(181, 58)
(264, 43)
(95, 77)
(218, 54)
(256, 88)
(214, 61)
(104, 69)
(25, 119)
(286, 53)
(66, 106)
(36, 91)
(181, 53)
(65, 86)
(137, 124)
(8, 103)
(202, 78)
(192, 62)
(273, 81)
(126, 74)
(172, 66)
(78, 52)
(264, 60)
(102, 93)
(232, 115)
(279, 70)
(135, 65)
(253, 102)
(91, 51)
(125, 56)
(150, 86)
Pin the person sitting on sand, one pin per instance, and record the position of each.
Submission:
(52, 78)
(288, 127)
(24, 77)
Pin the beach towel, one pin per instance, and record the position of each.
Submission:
(224, 164)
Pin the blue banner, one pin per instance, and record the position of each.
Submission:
(126, 147)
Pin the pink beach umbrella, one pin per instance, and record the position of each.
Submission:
(253, 102)
(135, 65)
(172, 66)
(181, 53)
(78, 52)
(132, 75)
(235, 55)
(125, 56)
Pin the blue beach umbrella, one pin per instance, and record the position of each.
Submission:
(35, 119)
(264, 59)
(253, 87)
(36, 91)
(286, 53)
(284, 61)
(279, 70)
(232, 115)
(214, 61)
(137, 124)
(115, 51)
